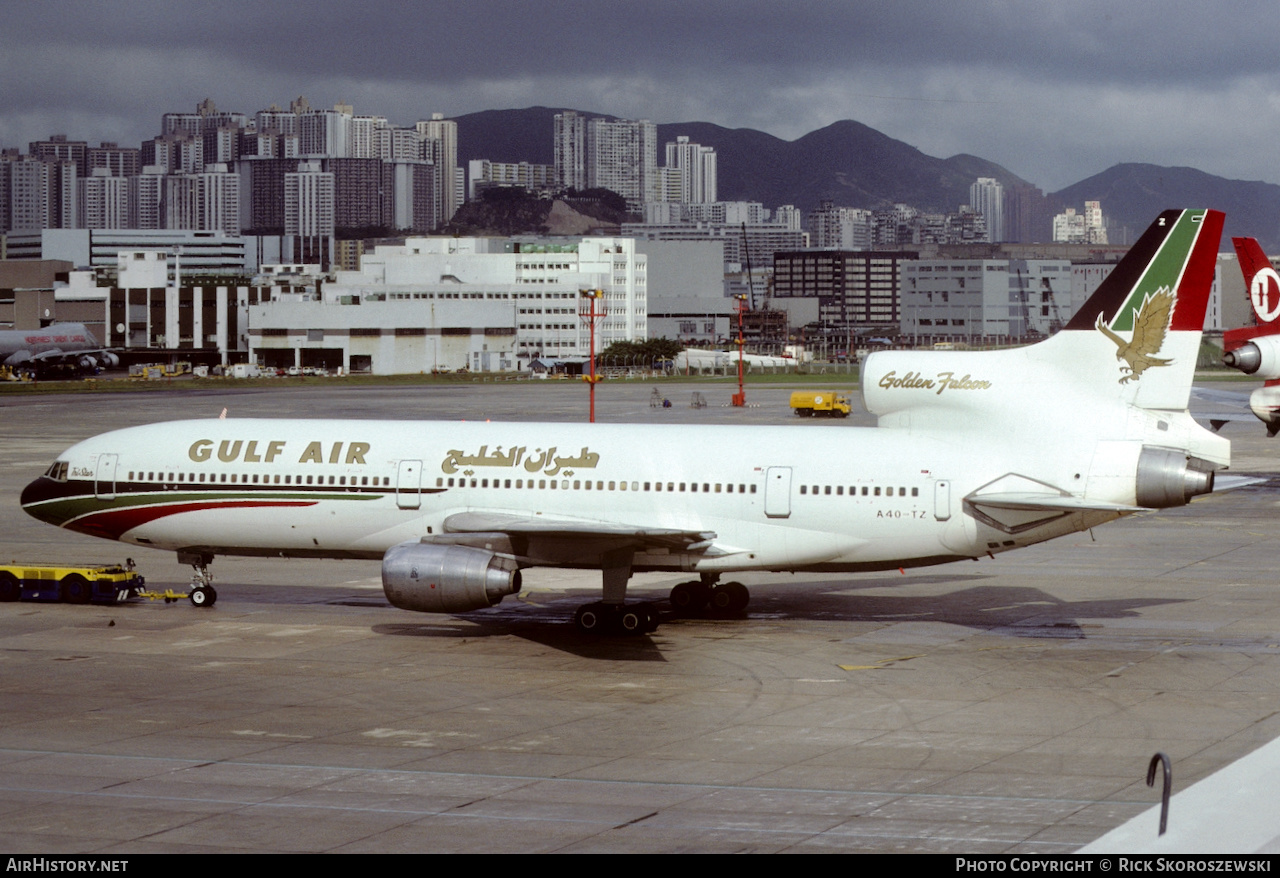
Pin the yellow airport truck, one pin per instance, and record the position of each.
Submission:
(806, 404)
(77, 584)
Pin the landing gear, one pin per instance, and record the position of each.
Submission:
(202, 593)
(614, 615)
(725, 599)
(625, 619)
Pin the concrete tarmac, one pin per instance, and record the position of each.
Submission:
(1007, 705)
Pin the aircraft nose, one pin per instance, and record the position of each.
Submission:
(34, 496)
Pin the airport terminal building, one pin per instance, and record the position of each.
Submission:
(431, 304)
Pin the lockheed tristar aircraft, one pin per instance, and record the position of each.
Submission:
(975, 454)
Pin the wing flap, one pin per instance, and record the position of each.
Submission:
(1030, 502)
(565, 540)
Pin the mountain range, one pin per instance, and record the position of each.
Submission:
(854, 165)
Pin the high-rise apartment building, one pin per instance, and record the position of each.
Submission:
(103, 201)
(208, 201)
(570, 162)
(445, 157)
(121, 161)
(622, 156)
(324, 134)
(986, 196)
(308, 201)
(58, 148)
(840, 228)
(146, 199)
(1086, 228)
(696, 165)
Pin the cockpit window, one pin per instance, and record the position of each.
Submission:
(58, 471)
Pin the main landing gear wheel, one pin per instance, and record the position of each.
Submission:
(730, 598)
(203, 596)
(624, 619)
(690, 598)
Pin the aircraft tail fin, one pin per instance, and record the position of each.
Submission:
(1262, 285)
(1149, 312)
(1176, 256)
(1255, 350)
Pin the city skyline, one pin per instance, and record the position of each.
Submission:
(1054, 97)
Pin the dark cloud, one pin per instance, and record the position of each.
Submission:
(1053, 91)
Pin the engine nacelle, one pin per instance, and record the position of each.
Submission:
(108, 360)
(87, 363)
(446, 579)
(1260, 356)
(1167, 477)
(1265, 403)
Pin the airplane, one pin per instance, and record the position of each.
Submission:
(1255, 350)
(974, 454)
(59, 344)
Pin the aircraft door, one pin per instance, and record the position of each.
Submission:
(777, 492)
(942, 500)
(104, 480)
(408, 484)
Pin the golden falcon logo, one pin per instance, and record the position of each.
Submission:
(1150, 326)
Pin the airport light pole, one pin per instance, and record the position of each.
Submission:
(588, 314)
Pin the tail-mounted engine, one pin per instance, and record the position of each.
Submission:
(446, 579)
(1168, 477)
(1260, 356)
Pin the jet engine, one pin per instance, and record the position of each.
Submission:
(1167, 477)
(1265, 403)
(446, 579)
(1260, 356)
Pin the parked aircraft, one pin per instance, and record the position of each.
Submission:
(59, 344)
(1255, 350)
(975, 453)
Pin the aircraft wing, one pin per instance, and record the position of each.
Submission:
(563, 541)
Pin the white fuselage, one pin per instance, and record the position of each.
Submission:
(786, 497)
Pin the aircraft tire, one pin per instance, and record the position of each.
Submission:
(633, 620)
(203, 596)
(730, 598)
(689, 598)
(589, 619)
(10, 590)
(75, 589)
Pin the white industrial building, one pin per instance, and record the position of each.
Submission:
(992, 299)
(450, 303)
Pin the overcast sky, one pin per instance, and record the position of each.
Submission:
(1054, 91)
